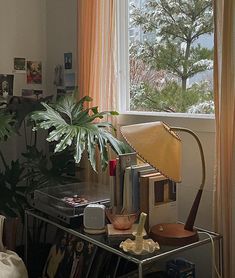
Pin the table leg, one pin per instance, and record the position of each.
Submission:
(116, 267)
(26, 238)
(221, 262)
(140, 270)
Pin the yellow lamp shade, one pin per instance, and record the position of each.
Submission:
(158, 145)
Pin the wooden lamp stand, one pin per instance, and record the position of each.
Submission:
(146, 139)
(176, 233)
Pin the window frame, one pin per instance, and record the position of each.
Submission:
(123, 86)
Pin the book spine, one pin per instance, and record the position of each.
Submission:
(127, 192)
(126, 160)
(135, 190)
(144, 199)
(118, 186)
(135, 173)
(123, 161)
(159, 187)
(112, 175)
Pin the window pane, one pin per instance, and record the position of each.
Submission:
(171, 56)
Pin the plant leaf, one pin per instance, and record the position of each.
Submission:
(73, 126)
(6, 125)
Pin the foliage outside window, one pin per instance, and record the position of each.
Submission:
(171, 56)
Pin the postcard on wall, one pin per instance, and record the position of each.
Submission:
(34, 72)
(19, 65)
(6, 85)
(58, 75)
(68, 60)
(60, 92)
(38, 93)
(31, 93)
(69, 81)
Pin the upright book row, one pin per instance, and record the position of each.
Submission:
(140, 187)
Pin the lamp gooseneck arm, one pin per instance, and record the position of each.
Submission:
(193, 212)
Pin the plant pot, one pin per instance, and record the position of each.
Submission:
(10, 232)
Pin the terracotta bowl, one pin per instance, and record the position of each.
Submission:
(121, 221)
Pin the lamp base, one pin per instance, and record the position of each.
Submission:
(173, 234)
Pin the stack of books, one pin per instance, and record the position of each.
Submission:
(140, 187)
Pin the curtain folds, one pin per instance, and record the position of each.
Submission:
(96, 52)
(224, 90)
(97, 62)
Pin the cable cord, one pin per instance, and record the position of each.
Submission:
(213, 254)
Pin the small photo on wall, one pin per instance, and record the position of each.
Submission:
(69, 81)
(6, 85)
(38, 93)
(31, 93)
(27, 93)
(34, 72)
(60, 92)
(68, 60)
(19, 65)
(58, 75)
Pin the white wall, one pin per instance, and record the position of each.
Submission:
(61, 36)
(38, 30)
(22, 33)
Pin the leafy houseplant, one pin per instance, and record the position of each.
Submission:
(10, 175)
(74, 127)
(6, 125)
(33, 168)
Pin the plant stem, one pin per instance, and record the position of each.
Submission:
(3, 160)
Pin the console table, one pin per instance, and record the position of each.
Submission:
(102, 241)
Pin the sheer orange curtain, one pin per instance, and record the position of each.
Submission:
(96, 52)
(97, 61)
(224, 89)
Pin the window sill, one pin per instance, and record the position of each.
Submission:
(196, 122)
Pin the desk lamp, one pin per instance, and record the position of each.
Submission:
(159, 145)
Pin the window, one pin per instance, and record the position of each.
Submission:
(169, 48)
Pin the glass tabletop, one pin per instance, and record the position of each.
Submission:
(112, 244)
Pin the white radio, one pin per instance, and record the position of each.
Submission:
(94, 218)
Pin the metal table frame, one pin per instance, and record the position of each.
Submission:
(141, 261)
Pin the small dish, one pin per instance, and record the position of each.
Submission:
(121, 221)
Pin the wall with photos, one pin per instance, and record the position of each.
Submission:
(39, 32)
(61, 41)
(22, 32)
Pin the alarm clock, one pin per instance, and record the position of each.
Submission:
(94, 218)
